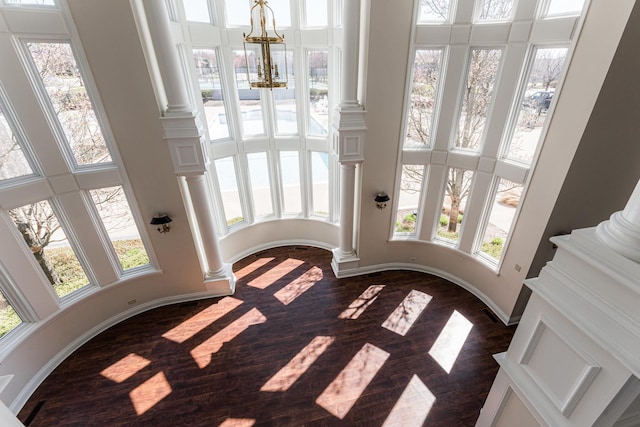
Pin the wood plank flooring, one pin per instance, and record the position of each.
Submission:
(293, 347)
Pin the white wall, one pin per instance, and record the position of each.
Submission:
(110, 40)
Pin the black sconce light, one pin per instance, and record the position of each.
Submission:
(381, 200)
(163, 221)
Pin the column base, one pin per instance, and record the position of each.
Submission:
(222, 282)
(343, 263)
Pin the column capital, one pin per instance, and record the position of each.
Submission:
(349, 132)
(184, 134)
(622, 231)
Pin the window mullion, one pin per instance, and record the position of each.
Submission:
(306, 181)
(244, 187)
(276, 182)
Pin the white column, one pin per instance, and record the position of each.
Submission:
(622, 231)
(349, 129)
(202, 209)
(347, 184)
(167, 57)
(350, 45)
(184, 134)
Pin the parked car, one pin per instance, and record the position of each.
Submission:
(540, 100)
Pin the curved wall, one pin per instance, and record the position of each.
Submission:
(111, 43)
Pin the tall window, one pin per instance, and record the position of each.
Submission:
(547, 67)
(495, 10)
(41, 230)
(290, 175)
(424, 91)
(228, 184)
(270, 148)
(434, 11)
(454, 205)
(318, 66)
(500, 219)
(13, 162)
(320, 182)
(66, 90)
(208, 73)
(30, 2)
(117, 220)
(77, 236)
(476, 97)
(411, 183)
(500, 93)
(9, 318)
(258, 166)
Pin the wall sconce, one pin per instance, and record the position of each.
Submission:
(163, 221)
(381, 200)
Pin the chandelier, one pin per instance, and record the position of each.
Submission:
(265, 53)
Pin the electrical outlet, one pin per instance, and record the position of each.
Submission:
(131, 302)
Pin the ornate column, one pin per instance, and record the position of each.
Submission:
(167, 55)
(348, 139)
(575, 358)
(184, 134)
(622, 231)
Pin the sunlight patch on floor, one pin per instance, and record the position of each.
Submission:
(238, 422)
(299, 286)
(447, 347)
(344, 391)
(413, 406)
(276, 273)
(198, 322)
(407, 312)
(203, 352)
(245, 271)
(360, 304)
(125, 368)
(297, 366)
(149, 393)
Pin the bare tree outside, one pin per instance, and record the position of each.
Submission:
(495, 10)
(476, 101)
(434, 10)
(457, 190)
(67, 92)
(477, 96)
(13, 162)
(424, 89)
(37, 222)
(40, 228)
(548, 67)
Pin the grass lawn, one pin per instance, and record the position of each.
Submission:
(131, 254)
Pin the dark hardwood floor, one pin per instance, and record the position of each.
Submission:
(214, 362)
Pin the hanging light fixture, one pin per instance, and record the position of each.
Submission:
(265, 53)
